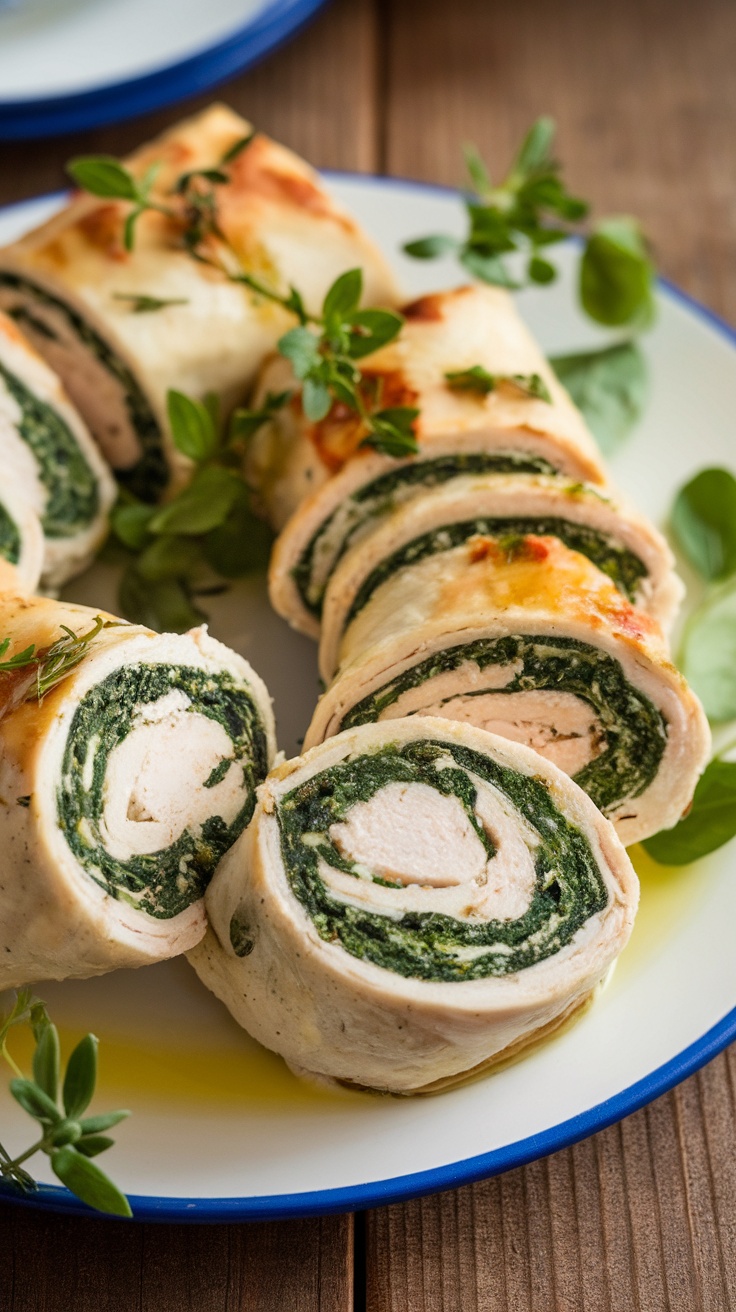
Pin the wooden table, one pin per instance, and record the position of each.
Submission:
(642, 1217)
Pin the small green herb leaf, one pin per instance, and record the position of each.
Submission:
(237, 148)
(391, 431)
(165, 606)
(300, 346)
(92, 1125)
(704, 522)
(103, 176)
(130, 523)
(710, 822)
(169, 557)
(94, 1145)
(81, 1077)
(709, 653)
(343, 297)
(85, 1179)
(140, 303)
(610, 387)
(477, 379)
(191, 424)
(46, 1062)
(34, 1101)
(316, 399)
(430, 248)
(200, 506)
(247, 422)
(240, 545)
(616, 275)
(371, 329)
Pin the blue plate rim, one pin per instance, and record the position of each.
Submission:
(401, 1188)
(115, 102)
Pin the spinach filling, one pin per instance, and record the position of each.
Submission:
(9, 537)
(622, 566)
(73, 497)
(425, 945)
(312, 571)
(148, 477)
(633, 729)
(160, 883)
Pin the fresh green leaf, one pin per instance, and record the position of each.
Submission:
(488, 268)
(85, 1179)
(202, 505)
(245, 423)
(240, 545)
(710, 822)
(477, 171)
(165, 606)
(94, 1145)
(81, 1077)
(34, 1101)
(131, 524)
(391, 431)
(343, 297)
(430, 248)
(104, 176)
(300, 346)
(46, 1062)
(479, 380)
(617, 275)
(704, 522)
(316, 400)
(237, 148)
(169, 557)
(191, 425)
(541, 271)
(92, 1125)
(372, 329)
(708, 654)
(535, 152)
(67, 1132)
(610, 387)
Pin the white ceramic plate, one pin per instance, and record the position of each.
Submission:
(70, 65)
(221, 1129)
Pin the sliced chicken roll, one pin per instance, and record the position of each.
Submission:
(530, 640)
(128, 766)
(626, 547)
(515, 418)
(21, 538)
(413, 902)
(76, 289)
(49, 460)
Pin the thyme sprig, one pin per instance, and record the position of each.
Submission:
(68, 1138)
(52, 664)
(531, 210)
(479, 380)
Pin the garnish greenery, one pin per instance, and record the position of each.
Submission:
(171, 552)
(704, 525)
(477, 379)
(531, 210)
(51, 664)
(68, 1137)
(141, 303)
(609, 386)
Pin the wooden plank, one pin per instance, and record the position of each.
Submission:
(67, 1264)
(643, 1216)
(317, 95)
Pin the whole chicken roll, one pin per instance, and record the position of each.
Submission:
(128, 765)
(413, 901)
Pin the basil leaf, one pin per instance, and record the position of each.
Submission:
(192, 428)
(316, 400)
(371, 329)
(429, 248)
(34, 1101)
(709, 654)
(541, 271)
(81, 1077)
(488, 268)
(169, 557)
(343, 297)
(616, 275)
(710, 822)
(130, 524)
(46, 1061)
(300, 346)
(610, 387)
(164, 606)
(85, 1179)
(240, 545)
(104, 176)
(704, 522)
(200, 506)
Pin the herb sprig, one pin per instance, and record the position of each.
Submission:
(531, 210)
(479, 380)
(68, 1137)
(52, 664)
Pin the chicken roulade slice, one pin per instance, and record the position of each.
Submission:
(626, 547)
(413, 902)
(128, 766)
(76, 290)
(339, 488)
(49, 460)
(530, 640)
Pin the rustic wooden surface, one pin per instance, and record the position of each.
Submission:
(643, 1216)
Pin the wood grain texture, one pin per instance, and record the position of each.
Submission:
(55, 1264)
(640, 1218)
